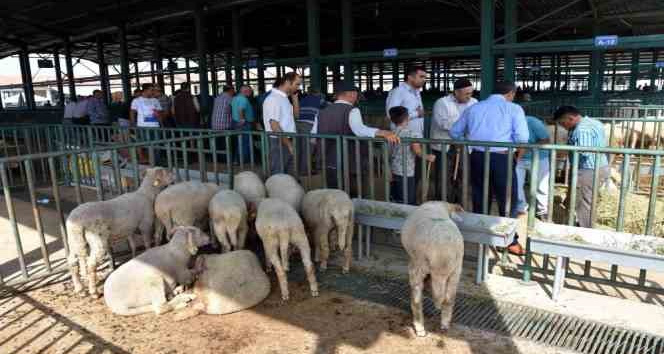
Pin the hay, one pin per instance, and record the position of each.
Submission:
(636, 213)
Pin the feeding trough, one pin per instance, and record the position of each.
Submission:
(485, 230)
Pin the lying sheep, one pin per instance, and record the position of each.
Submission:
(286, 188)
(90, 226)
(251, 187)
(328, 211)
(228, 219)
(148, 282)
(278, 225)
(435, 246)
(183, 204)
(228, 283)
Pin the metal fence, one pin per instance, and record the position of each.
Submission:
(96, 167)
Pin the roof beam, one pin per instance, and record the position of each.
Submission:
(539, 19)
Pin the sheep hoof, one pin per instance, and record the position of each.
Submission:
(420, 332)
(345, 271)
(444, 328)
(314, 293)
(284, 298)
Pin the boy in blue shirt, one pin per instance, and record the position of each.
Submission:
(538, 134)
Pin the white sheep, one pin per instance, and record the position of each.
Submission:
(278, 225)
(251, 187)
(228, 219)
(148, 282)
(228, 283)
(90, 226)
(182, 204)
(286, 188)
(327, 212)
(435, 246)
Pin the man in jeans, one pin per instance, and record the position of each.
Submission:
(243, 119)
(586, 132)
(538, 134)
(279, 117)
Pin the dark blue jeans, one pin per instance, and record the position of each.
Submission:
(243, 142)
(396, 190)
(497, 182)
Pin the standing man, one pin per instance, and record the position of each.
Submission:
(221, 111)
(407, 94)
(279, 117)
(186, 109)
(167, 120)
(586, 132)
(495, 119)
(310, 106)
(243, 120)
(343, 118)
(81, 111)
(537, 134)
(446, 111)
(97, 110)
(146, 112)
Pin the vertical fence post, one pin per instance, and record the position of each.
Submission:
(12, 219)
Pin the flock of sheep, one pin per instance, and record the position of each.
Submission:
(159, 279)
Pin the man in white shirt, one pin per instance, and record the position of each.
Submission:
(146, 112)
(279, 117)
(343, 118)
(407, 94)
(446, 111)
(81, 111)
(69, 111)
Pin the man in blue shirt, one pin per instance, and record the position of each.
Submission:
(242, 114)
(495, 119)
(538, 134)
(584, 131)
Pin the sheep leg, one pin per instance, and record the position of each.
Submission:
(416, 275)
(348, 256)
(221, 229)
(284, 251)
(447, 307)
(158, 231)
(243, 229)
(132, 245)
(145, 227)
(74, 271)
(321, 237)
(98, 249)
(271, 253)
(232, 236)
(305, 252)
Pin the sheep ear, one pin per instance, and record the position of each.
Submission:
(191, 245)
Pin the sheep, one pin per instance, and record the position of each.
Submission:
(286, 188)
(91, 225)
(149, 282)
(228, 219)
(182, 204)
(434, 246)
(228, 283)
(324, 211)
(278, 225)
(251, 187)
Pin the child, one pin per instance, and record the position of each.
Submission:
(401, 152)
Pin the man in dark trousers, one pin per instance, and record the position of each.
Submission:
(343, 118)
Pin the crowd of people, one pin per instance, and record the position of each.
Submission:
(457, 116)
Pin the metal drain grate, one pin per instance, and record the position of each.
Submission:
(545, 327)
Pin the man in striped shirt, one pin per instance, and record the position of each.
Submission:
(586, 132)
(221, 112)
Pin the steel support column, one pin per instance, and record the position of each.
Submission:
(201, 49)
(103, 71)
(260, 68)
(613, 73)
(634, 73)
(237, 48)
(347, 38)
(511, 16)
(654, 71)
(596, 74)
(395, 74)
(153, 78)
(158, 58)
(58, 79)
(313, 43)
(171, 78)
(124, 64)
(187, 69)
(228, 70)
(381, 68)
(214, 75)
(138, 75)
(26, 73)
(70, 69)
(486, 49)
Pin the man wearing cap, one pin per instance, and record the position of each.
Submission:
(343, 118)
(446, 111)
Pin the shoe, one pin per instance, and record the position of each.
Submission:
(542, 217)
(516, 249)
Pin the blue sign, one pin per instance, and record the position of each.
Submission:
(606, 41)
(390, 52)
(659, 64)
(251, 63)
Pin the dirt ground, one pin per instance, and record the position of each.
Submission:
(49, 320)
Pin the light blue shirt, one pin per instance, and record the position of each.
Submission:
(494, 119)
(588, 132)
(241, 103)
(407, 96)
(536, 131)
